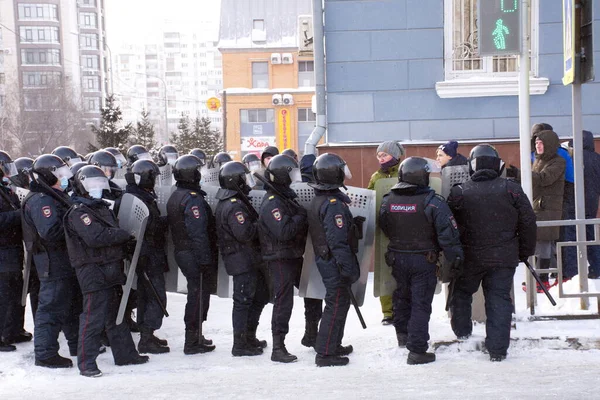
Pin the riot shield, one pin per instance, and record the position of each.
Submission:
(210, 176)
(121, 182)
(166, 175)
(383, 283)
(163, 193)
(452, 175)
(133, 217)
(120, 173)
(363, 204)
(21, 193)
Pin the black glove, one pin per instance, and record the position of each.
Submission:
(129, 247)
(512, 171)
(456, 267)
(358, 222)
(524, 259)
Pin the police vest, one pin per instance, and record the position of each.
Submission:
(411, 230)
(275, 249)
(176, 218)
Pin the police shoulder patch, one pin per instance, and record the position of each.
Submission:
(47, 211)
(453, 221)
(339, 221)
(276, 214)
(86, 219)
(240, 217)
(195, 212)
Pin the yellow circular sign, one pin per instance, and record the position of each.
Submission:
(213, 104)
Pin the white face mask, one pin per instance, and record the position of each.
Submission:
(96, 193)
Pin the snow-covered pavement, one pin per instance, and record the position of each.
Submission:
(378, 369)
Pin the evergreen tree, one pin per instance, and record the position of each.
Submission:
(144, 132)
(197, 133)
(111, 132)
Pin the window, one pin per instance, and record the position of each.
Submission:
(40, 56)
(92, 104)
(87, 20)
(258, 115)
(258, 24)
(37, 79)
(38, 34)
(495, 75)
(259, 34)
(41, 12)
(89, 41)
(89, 3)
(306, 115)
(306, 73)
(260, 75)
(91, 84)
(89, 62)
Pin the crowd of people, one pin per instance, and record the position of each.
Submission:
(74, 269)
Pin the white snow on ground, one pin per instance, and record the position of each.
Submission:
(377, 368)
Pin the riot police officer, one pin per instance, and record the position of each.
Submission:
(290, 153)
(107, 162)
(121, 160)
(43, 233)
(200, 154)
(237, 231)
(220, 159)
(268, 153)
(11, 251)
(95, 247)
(141, 179)
(67, 154)
(137, 152)
(194, 234)
(419, 224)
(283, 227)
(498, 228)
(23, 165)
(330, 225)
(252, 162)
(167, 155)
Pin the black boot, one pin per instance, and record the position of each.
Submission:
(241, 347)
(253, 341)
(330, 361)
(420, 358)
(21, 337)
(206, 341)
(193, 345)
(5, 347)
(136, 360)
(310, 334)
(344, 350)
(55, 362)
(158, 341)
(148, 345)
(280, 353)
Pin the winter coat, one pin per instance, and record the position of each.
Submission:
(459, 159)
(548, 178)
(379, 174)
(591, 175)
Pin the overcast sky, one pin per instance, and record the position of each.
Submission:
(136, 21)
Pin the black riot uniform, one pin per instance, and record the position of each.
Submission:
(237, 232)
(193, 229)
(498, 228)
(419, 224)
(153, 259)
(95, 245)
(11, 259)
(331, 227)
(283, 228)
(60, 297)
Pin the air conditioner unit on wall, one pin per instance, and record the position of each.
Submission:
(275, 58)
(276, 100)
(287, 58)
(288, 99)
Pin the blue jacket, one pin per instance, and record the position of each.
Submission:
(569, 168)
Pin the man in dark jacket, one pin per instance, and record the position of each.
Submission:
(43, 233)
(419, 224)
(498, 228)
(237, 232)
(283, 228)
(141, 180)
(95, 246)
(193, 228)
(331, 226)
(11, 256)
(448, 156)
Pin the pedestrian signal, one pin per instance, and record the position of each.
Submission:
(499, 27)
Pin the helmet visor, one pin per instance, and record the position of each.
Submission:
(250, 180)
(254, 166)
(347, 172)
(109, 171)
(63, 172)
(144, 156)
(295, 175)
(121, 160)
(9, 169)
(434, 166)
(95, 183)
(171, 158)
(73, 161)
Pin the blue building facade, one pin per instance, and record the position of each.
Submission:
(405, 70)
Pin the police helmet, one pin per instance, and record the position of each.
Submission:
(220, 158)
(106, 161)
(413, 171)
(143, 173)
(137, 152)
(200, 154)
(121, 160)
(485, 156)
(283, 170)
(50, 168)
(23, 165)
(269, 151)
(8, 168)
(90, 181)
(290, 153)
(167, 155)
(235, 176)
(67, 154)
(329, 171)
(187, 169)
(252, 161)
(76, 167)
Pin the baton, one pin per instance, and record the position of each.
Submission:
(539, 281)
(162, 306)
(355, 304)
(201, 306)
(8, 200)
(450, 297)
(274, 190)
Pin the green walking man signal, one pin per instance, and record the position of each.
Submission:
(499, 27)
